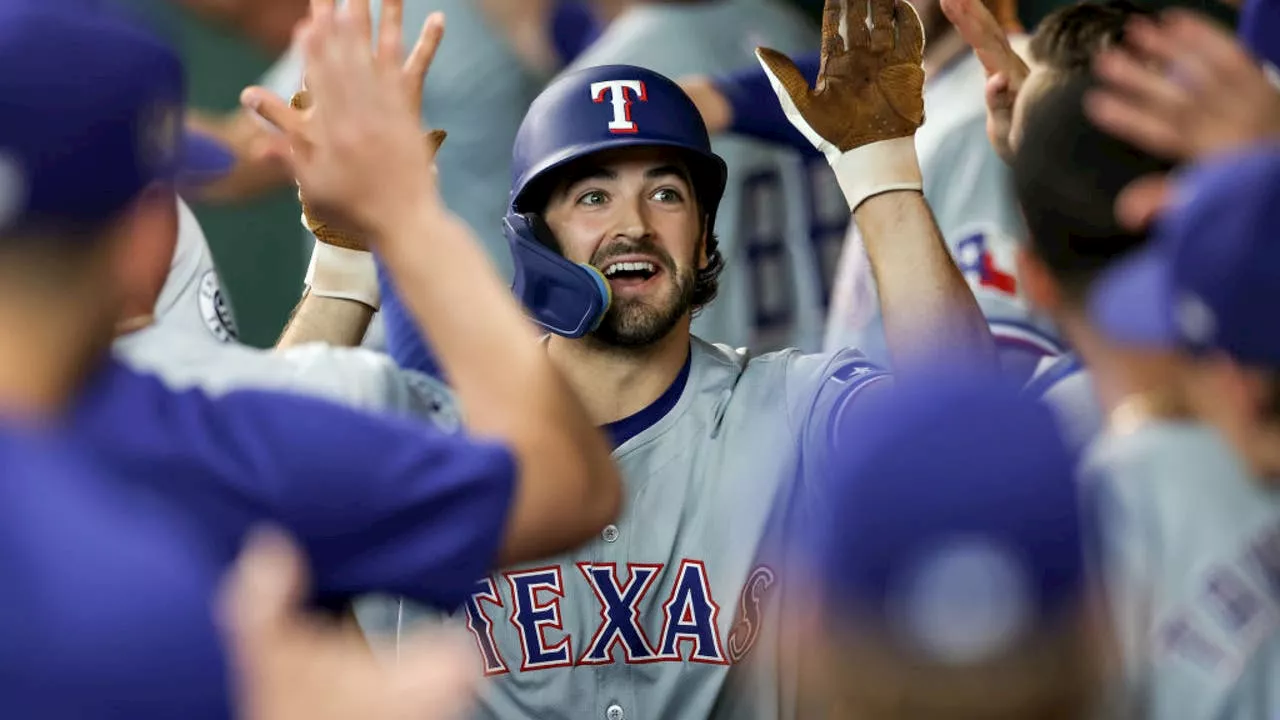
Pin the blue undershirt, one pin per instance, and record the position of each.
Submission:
(628, 427)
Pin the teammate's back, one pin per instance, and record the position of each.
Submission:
(782, 218)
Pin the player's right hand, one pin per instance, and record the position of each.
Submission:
(358, 151)
(869, 98)
(292, 666)
(1006, 72)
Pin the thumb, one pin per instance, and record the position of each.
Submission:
(785, 77)
(272, 109)
(1142, 200)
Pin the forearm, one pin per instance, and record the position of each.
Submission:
(928, 309)
(766, 121)
(333, 321)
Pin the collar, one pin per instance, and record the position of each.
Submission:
(628, 427)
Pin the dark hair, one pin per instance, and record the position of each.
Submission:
(1067, 174)
(1067, 38)
(707, 282)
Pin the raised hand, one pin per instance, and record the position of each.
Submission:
(1006, 72)
(358, 151)
(868, 92)
(1183, 88)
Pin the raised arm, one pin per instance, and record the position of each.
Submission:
(862, 115)
(360, 156)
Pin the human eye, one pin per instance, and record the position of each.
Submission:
(592, 198)
(667, 195)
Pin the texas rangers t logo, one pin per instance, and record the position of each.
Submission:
(620, 95)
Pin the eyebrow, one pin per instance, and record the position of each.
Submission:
(604, 173)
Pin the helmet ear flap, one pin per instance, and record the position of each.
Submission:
(563, 297)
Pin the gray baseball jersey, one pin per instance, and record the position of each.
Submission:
(782, 219)
(1066, 386)
(968, 188)
(676, 601)
(478, 91)
(192, 304)
(1191, 558)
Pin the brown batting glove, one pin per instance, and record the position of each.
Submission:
(869, 99)
(341, 265)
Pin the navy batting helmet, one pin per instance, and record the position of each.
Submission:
(582, 113)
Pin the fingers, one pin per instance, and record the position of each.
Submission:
(910, 47)
(1133, 123)
(882, 12)
(855, 25)
(390, 31)
(1141, 200)
(832, 40)
(361, 16)
(786, 74)
(262, 591)
(424, 51)
(982, 32)
(272, 109)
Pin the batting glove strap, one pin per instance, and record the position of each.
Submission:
(342, 273)
(875, 168)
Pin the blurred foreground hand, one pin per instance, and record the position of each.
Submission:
(291, 665)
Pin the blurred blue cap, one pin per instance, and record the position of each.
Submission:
(953, 518)
(1259, 29)
(1210, 278)
(91, 113)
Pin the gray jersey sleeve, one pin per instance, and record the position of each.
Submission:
(192, 306)
(1191, 560)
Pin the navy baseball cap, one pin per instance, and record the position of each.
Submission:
(1210, 279)
(91, 113)
(1259, 30)
(952, 518)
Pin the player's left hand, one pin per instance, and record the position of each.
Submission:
(1183, 88)
(292, 666)
(869, 98)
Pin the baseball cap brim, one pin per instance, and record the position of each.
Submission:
(1132, 303)
(202, 159)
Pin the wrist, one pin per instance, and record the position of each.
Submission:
(343, 273)
(876, 168)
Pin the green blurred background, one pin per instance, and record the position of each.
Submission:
(257, 245)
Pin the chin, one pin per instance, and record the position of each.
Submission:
(636, 324)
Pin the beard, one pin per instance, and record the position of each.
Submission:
(640, 322)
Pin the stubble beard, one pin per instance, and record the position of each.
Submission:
(635, 323)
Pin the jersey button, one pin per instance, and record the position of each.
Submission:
(610, 534)
(615, 711)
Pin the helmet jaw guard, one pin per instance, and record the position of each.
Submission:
(582, 113)
(563, 297)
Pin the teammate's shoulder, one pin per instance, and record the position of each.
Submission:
(1051, 372)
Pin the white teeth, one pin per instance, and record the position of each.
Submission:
(629, 266)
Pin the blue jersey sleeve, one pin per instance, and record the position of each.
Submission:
(746, 92)
(379, 503)
(405, 343)
(843, 383)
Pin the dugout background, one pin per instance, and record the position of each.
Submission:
(257, 245)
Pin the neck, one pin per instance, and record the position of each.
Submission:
(614, 383)
(44, 360)
(944, 46)
(1126, 382)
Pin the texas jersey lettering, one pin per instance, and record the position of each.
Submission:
(678, 599)
(648, 613)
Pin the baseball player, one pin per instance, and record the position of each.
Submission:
(949, 563)
(377, 504)
(615, 192)
(1190, 514)
(781, 220)
(1073, 235)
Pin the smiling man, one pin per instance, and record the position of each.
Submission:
(672, 611)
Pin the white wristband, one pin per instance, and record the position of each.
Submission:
(345, 274)
(876, 168)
